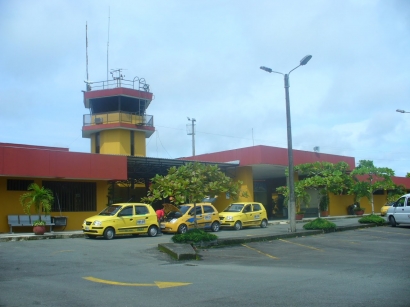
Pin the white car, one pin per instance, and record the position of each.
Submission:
(399, 212)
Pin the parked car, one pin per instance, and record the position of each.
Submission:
(384, 209)
(122, 219)
(182, 219)
(244, 214)
(399, 212)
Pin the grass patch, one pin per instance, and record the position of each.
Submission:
(319, 224)
(195, 236)
(373, 219)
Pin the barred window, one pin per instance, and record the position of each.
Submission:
(73, 196)
(18, 185)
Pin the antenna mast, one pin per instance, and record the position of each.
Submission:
(108, 42)
(86, 56)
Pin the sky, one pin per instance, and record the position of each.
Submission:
(201, 59)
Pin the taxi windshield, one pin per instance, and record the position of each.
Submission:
(111, 210)
(234, 208)
(184, 209)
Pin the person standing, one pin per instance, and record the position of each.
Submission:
(160, 215)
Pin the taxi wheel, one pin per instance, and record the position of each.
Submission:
(109, 233)
(392, 221)
(152, 231)
(215, 226)
(182, 228)
(238, 225)
(264, 224)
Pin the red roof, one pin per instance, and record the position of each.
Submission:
(270, 155)
(52, 162)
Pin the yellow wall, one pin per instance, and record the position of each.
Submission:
(243, 174)
(10, 204)
(115, 142)
(339, 203)
(139, 142)
(118, 142)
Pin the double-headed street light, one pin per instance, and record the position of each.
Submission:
(401, 111)
(291, 207)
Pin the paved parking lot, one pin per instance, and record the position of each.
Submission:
(366, 267)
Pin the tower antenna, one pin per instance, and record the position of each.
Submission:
(108, 42)
(86, 56)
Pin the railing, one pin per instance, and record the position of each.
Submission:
(118, 117)
(136, 84)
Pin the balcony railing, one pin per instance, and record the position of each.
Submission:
(118, 117)
(136, 84)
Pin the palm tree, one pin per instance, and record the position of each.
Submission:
(41, 198)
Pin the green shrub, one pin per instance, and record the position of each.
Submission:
(373, 219)
(194, 235)
(319, 224)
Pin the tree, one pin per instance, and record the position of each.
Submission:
(369, 179)
(408, 175)
(395, 193)
(324, 177)
(301, 196)
(192, 182)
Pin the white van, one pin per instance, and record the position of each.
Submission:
(399, 212)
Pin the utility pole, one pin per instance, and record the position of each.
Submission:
(192, 132)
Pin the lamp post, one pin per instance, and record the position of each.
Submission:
(193, 120)
(401, 111)
(292, 205)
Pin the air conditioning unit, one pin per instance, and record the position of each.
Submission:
(98, 120)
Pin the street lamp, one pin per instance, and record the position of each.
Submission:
(401, 111)
(291, 207)
(192, 132)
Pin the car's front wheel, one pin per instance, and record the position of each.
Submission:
(182, 228)
(153, 231)
(109, 233)
(392, 221)
(264, 223)
(215, 226)
(237, 225)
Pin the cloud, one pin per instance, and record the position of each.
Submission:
(201, 59)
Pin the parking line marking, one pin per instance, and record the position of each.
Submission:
(311, 247)
(63, 251)
(388, 232)
(265, 254)
(159, 284)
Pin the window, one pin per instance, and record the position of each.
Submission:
(256, 207)
(18, 185)
(97, 142)
(141, 210)
(127, 211)
(400, 202)
(73, 196)
(198, 210)
(247, 209)
(132, 143)
(208, 209)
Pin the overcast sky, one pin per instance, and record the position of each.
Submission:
(201, 59)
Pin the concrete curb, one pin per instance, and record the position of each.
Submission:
(46, 236)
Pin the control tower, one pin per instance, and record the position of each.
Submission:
(117, 122)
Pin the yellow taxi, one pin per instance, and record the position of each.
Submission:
(122, 219)
(386, 207)
(244, 214)
(182, 219)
